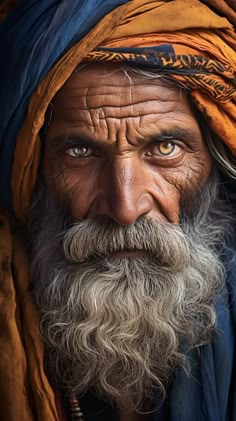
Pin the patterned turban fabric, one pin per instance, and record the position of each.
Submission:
(41, 44)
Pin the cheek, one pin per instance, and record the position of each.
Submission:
(73, 188)
(80, 192)
(195, 174)
(179, 184)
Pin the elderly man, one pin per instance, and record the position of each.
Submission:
(117, 244)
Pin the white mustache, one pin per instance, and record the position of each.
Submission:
(166, 242)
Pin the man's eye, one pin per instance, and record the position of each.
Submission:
(80, 151)
(162, 148)
(166, 148)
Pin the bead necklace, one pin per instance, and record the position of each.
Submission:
(73, 407)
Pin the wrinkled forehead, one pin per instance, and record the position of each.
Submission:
(111, 78)
(119, 94)
(109, 84)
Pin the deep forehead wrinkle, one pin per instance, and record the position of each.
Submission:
(146, 89)
(139, 109)
(116, 107)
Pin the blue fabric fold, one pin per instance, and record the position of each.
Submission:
(32, 39)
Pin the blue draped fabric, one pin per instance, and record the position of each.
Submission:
(32, 39)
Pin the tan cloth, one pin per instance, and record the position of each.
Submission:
(24, 389)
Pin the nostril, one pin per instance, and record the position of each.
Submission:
(145, 204)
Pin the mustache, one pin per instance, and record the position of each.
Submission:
(165, 242)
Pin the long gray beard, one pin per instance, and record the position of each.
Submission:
(121, 325)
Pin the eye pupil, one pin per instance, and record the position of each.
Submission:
(166, 148)
(79, 151)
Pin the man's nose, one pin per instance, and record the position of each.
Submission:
(124, 193)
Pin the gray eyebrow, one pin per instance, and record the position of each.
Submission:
(66, 140)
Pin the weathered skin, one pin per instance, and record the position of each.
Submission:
(122, 174)
(121, 150)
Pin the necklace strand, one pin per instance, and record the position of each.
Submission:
(73, 407)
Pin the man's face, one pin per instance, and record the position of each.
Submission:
(122, 149)
(124, 287)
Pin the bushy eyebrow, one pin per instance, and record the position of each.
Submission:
(72, 139)
(65, 141)
(186, 134)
